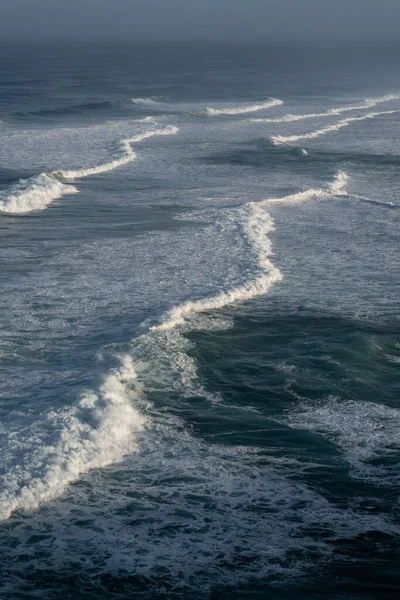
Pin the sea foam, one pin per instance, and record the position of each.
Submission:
(364, 105)
(282, 139)
(336, 188)
(58, 447)
(127, 155)
(36, 193)
(256, 224)
(241, 110)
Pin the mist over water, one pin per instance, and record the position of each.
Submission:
(200, 336)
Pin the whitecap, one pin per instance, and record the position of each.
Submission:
(364, 105)
(287, 139)
(241, 110)
(55, 448)
(35, 193)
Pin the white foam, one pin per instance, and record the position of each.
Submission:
(150, 100)
(128, 155)
(336, 188)
(257, 224)
(187, 515)
(364, 105)
(282, 139)
(339, 184)
(38, 192)
(241, 110)
(368, 433)
(59, 446)
(35, 193)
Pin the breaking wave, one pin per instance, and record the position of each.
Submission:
(38, 192)
(282, 139)
(336, 188)
(101, 428)
(128, 155)
(52, 451)
(364, 105)
(241, 110)
(145, 101)
(35, 193)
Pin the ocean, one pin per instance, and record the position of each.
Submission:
(200, 337)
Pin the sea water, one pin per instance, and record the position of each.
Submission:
(200, 339)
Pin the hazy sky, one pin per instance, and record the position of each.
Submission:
(201, 19)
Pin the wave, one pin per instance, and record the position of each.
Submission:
(103, 427)
(128, 155)
(241, 110)
(38, 192)
(282, 139)
(257, 225)
(76, 109)
(185, 515)
(364, 105)
(100, 430)
(336, 188)
(35, 193)
(150, 100)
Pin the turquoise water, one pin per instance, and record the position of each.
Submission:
(200, 336)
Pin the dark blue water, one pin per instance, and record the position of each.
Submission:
(200, 334)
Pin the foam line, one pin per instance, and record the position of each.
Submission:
(282, 139)
(128, 155)
(336, 188)
(365, 105)
(257, 225)
(241, 110)
(103, 427)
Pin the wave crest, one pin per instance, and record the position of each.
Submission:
(38, 192)
(35, 193)
(287, 139)
(364, 105)
(241, 110)
(98, 431)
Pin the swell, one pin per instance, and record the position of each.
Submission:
(145, 101)
(364, 105)
(36, 193)
(76, 109)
